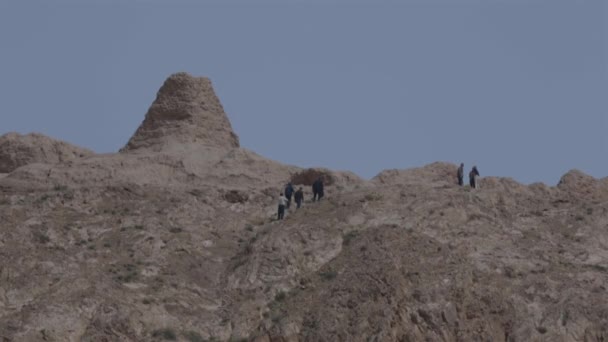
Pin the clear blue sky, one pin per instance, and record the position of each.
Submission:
(517, 87)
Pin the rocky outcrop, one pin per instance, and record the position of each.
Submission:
(329, 177)
(186, 111)
(17, 150)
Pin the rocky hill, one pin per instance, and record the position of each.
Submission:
(174, 238)
(17, 150)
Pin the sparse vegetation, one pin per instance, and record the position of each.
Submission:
(125, 274)
(600, 268)
(328, 275)
(310, 324)
(59, 187)
(43, 198)
(136, 227)
(41, 237)
(537, 213)
(235, 196)
(249, 245)
(276, 318)
(239, 339)
(348, 237)
(565, 316)
(166, 334)
(373, 197)
(258, 221)
(474, 217)
(193, 336)
(280, 296)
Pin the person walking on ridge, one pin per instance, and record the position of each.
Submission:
(473, 177)
(299, 197)
(460, 174)
(317, 190)
(288, 193)
(321, 190)
(282, 204)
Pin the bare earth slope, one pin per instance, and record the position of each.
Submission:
(174, 238)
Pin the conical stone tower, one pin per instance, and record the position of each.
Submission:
(186, 111)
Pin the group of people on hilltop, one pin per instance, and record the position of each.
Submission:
(285, 196)
(318, 191)
(473, 174)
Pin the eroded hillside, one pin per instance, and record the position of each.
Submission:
(174, 238)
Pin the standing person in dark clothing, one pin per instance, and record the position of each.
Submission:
(299, 197)
(282, 204)
(472, 177)
(321, 192)
(315, 189)
(460, 174)
(288, 193)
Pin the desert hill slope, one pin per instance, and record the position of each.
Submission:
(17, 150)
(174, 238)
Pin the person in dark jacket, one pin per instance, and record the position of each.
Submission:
(299, 197)
(321, 190)
(317, 189)
(473, 177)
(460, 174)
(288, 193)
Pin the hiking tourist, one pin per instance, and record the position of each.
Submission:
(472, 177)
(282, 204)
(321, 191)
(317, 189)
(460, 174)
(288, 193)
(299, 197)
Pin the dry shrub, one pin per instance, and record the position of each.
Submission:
(309, 176)
(235, 196)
